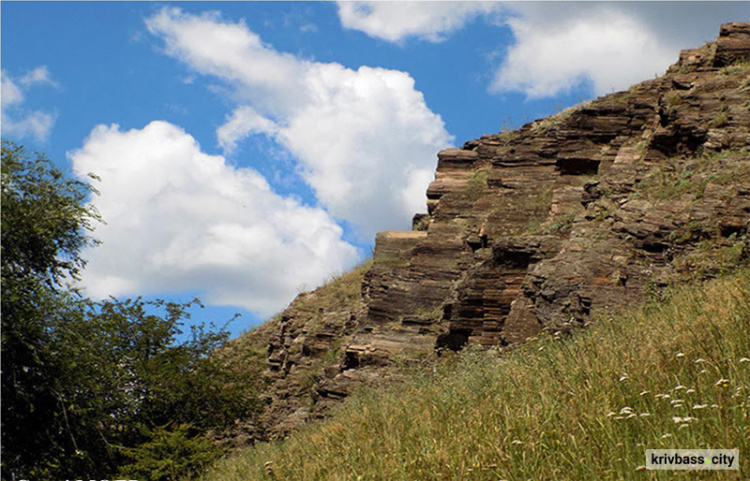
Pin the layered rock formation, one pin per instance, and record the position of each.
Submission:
(547, 227)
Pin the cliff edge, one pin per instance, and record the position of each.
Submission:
(551, 226)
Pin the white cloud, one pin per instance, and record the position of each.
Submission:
(611, 45)
(10, 92)
(243, 122)
(365, 138)
(182, 220)
(604, 46)
(39, 75)
(19, 122)
(396, 21)
(559, 45)
(36, 124)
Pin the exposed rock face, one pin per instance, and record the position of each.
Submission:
(547, 227)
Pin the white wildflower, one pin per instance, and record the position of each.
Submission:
(682, 420)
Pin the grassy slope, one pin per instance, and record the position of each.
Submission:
(675, 374)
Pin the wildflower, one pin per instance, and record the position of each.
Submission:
(700, 406)
(722, 382)
(699, 360)
(744, 359)
(690, 391)
(626, 410)
(680, 354)
(679, 387)
(665, 436)
(676, 401)
(682, 420)
(624, 377)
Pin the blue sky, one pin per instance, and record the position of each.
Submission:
(250, 150)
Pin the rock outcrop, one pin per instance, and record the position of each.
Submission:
(548, 227)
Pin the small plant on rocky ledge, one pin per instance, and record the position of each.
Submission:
(435, 313)
(736, 67)
(476, 185)
(392, 261)
(672, 100)
(719, 120)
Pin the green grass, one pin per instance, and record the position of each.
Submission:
(476, 186)
(674, 374)
(691, 175)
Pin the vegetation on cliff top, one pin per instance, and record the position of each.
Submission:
(674, 374)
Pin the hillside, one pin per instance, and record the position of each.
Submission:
(673, 374)
(549, 228)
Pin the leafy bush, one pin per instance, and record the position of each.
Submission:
(169, 455)
(85, 382)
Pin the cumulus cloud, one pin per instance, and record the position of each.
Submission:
(182, 220)
(365, 140)
(559, 45)
(17, 121)
(396, 21)
(603, 46)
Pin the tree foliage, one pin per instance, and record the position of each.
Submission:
(44, 219)
(89, 387)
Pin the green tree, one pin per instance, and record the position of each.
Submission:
(89, 387)
(44, 225)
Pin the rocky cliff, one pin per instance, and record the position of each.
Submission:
(547, 227)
